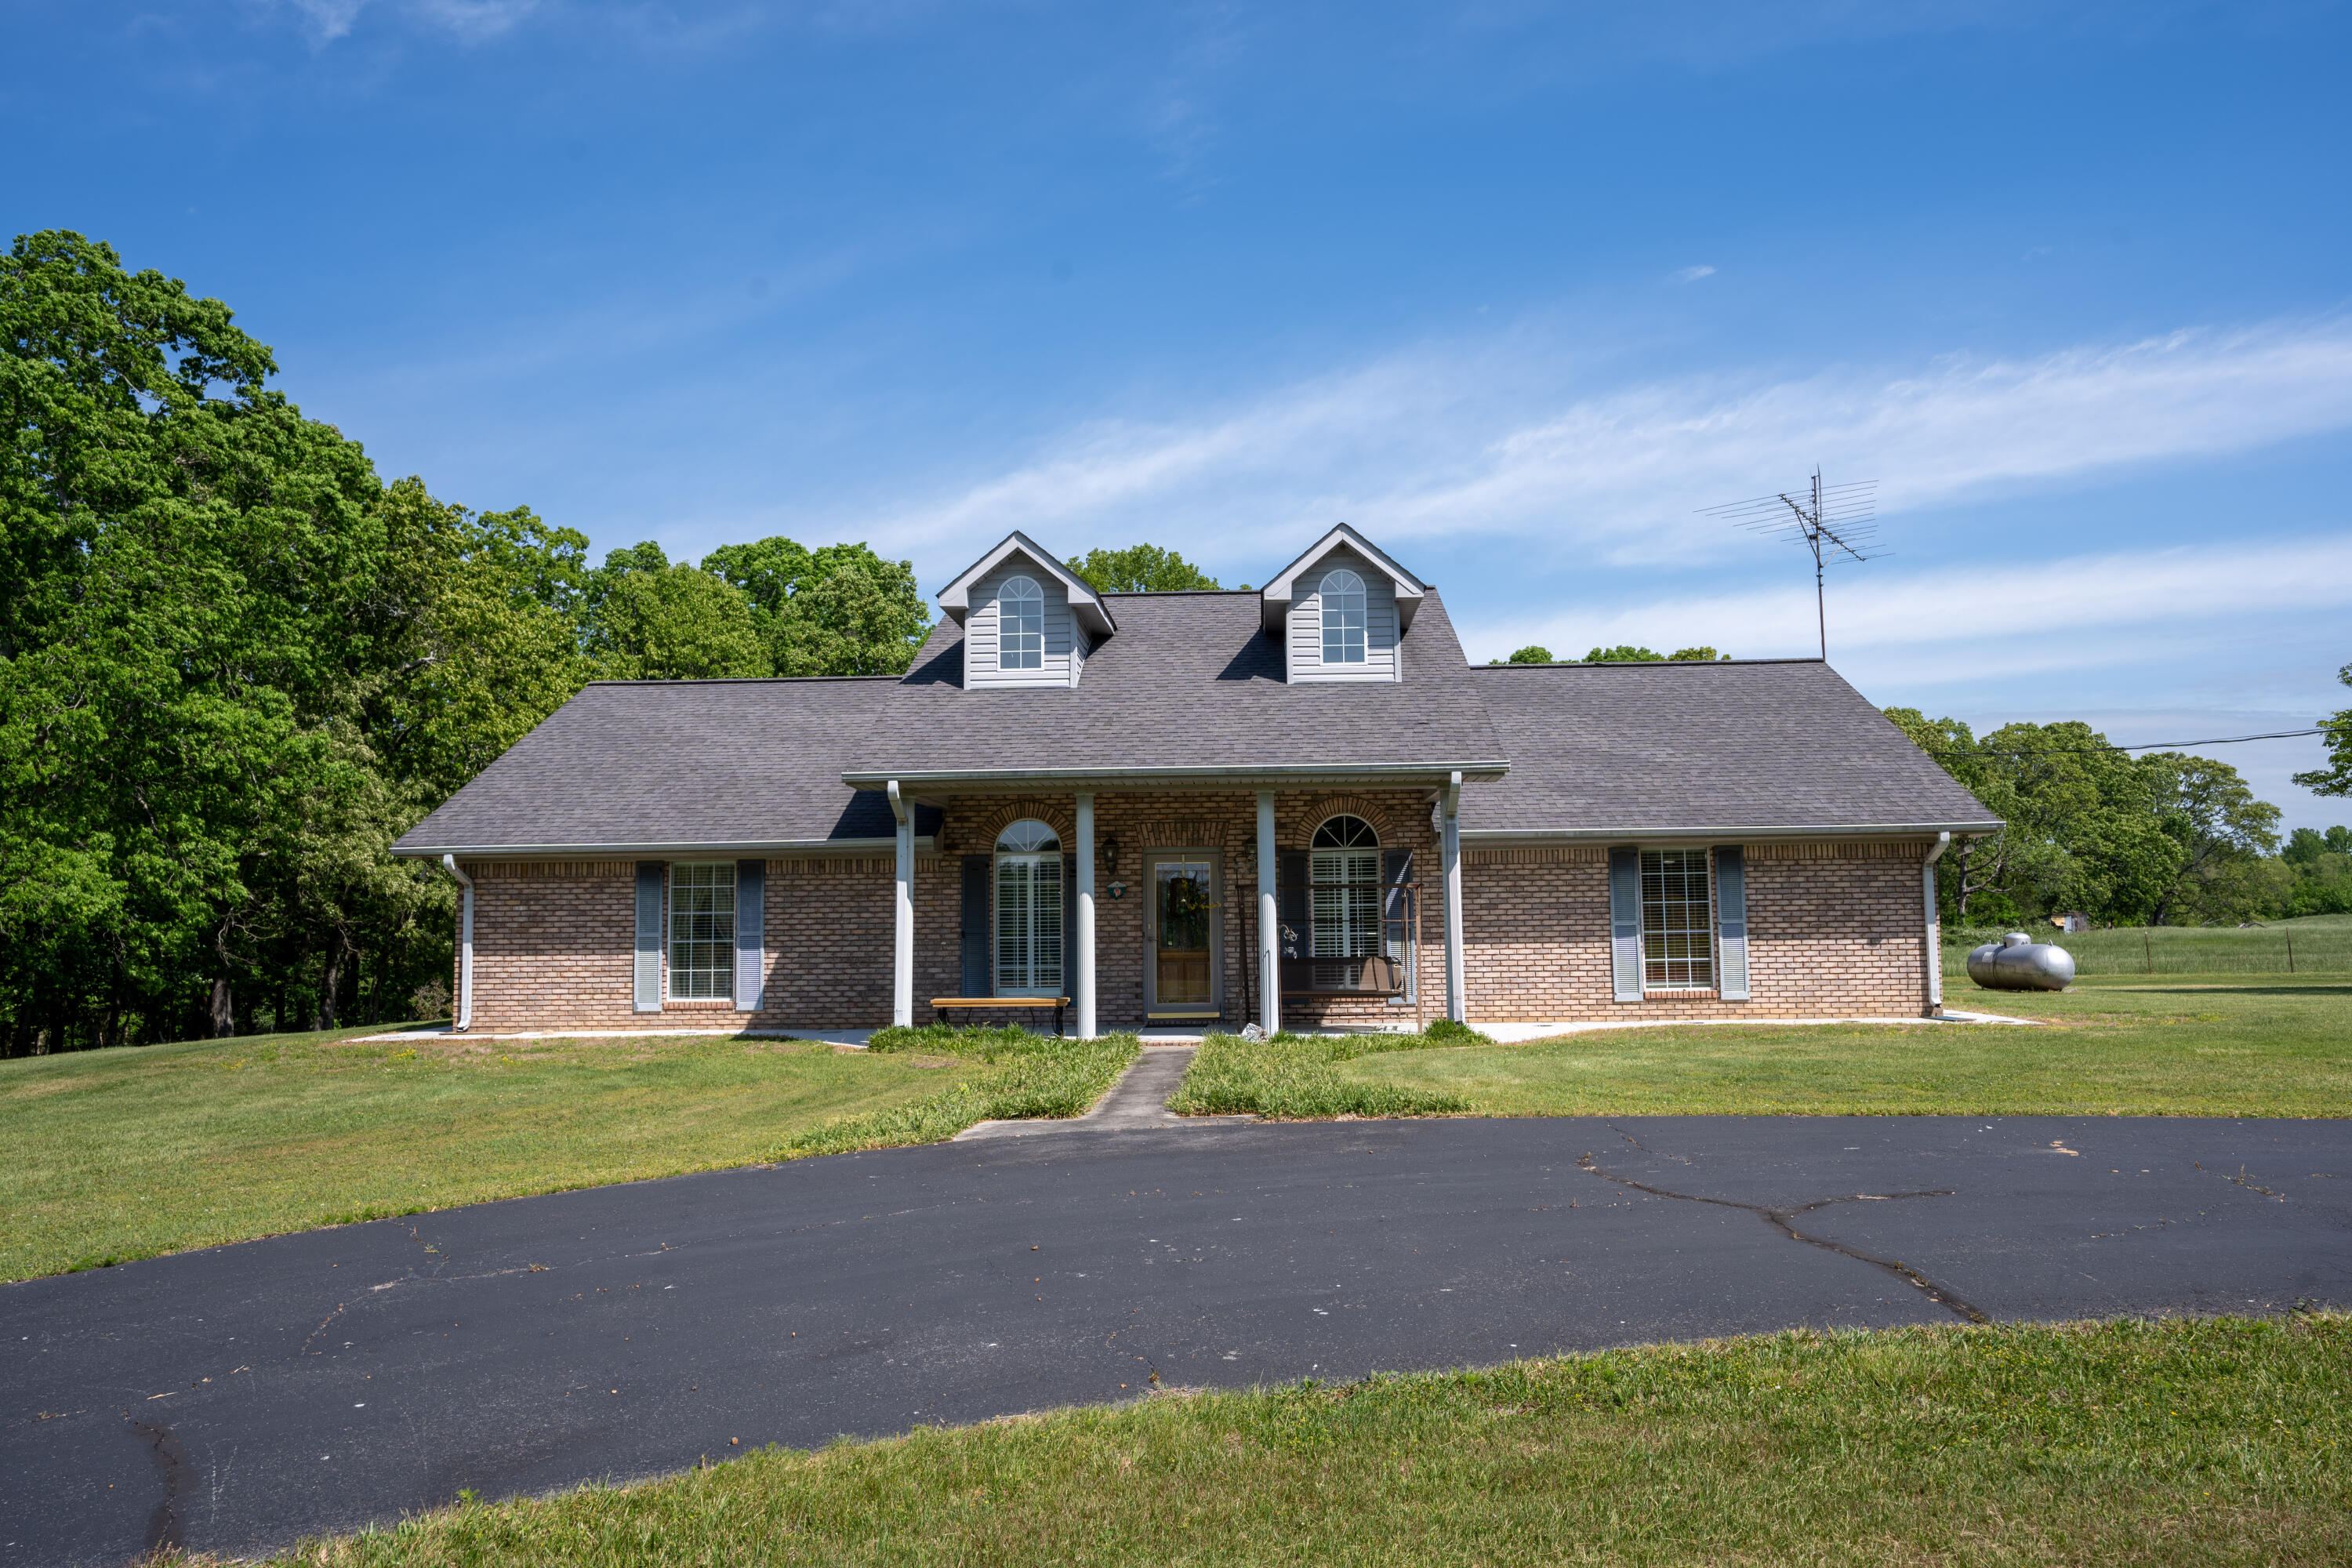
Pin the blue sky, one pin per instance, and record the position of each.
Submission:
(1516, 288)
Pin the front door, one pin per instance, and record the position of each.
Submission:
(1185, 930)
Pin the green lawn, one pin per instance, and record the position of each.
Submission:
(2227, 1045)
(125, 1154)
(2200, 1442)
(2309, 945)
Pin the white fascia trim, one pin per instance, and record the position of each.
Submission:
(655, 851)
(1085, 603)
(1747, 834)
(1274, 599)
(1408, 773)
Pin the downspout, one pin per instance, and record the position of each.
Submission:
(1449, 827)
(902, 944)
(1935, 947)
(464, 1018)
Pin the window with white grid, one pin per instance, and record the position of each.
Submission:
(702, 931)
(1028, 911)
(1343, 617)
(1020, 624)
(1677, 921)
(1343, 891)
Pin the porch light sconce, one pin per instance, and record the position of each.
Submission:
(1110, 858)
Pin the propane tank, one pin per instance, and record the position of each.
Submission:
(2018, 962)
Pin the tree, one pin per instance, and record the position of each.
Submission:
(2206, 809)
(839, 609)
(1139, 569)
(187, 611)
(2335, 778)
(653, 621)
(1699, 655)
(1623, 653)
(1531, 654)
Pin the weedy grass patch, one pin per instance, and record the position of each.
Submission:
(1291, 1076)
(1011, 1074)
(2210, 1441)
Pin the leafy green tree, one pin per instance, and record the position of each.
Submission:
(479, 639)
(2335, 778)
(839, 609)
(2212, 813)
(1139, 569)
(1532, 654)
(1624, 653)
(1701, 655)
(653, 621)
(188, 591)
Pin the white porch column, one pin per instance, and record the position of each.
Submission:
(1269, 920)
(1449, 829)
(902, 951)
(1083, 994)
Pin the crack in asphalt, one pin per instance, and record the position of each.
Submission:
(1781, 1220)
(165, 1528)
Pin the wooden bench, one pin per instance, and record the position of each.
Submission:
(940, 1004)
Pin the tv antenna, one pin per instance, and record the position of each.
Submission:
(1834, 521)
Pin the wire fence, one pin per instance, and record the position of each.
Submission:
(2301, 949)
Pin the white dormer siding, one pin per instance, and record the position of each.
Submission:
(1064, 645)
(1303, 634)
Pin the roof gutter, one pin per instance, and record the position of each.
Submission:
(1204, 777)
(674, 850)
(463, 1019)
(1752, 834)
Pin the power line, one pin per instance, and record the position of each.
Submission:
(2142, 746)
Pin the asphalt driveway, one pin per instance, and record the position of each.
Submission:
(236, 1399)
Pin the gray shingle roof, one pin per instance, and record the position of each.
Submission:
(636, 765)
(1191, 680)
(1626, 748)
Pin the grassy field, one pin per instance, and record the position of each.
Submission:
(2205, 1442)
(126, 1153)
(2315, 944)
(2228, 1044)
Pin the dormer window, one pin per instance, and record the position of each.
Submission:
(1343, 617)
(1341, 610)
(1027, 619)
(1021, 604)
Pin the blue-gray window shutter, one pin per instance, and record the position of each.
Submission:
(751, 933)
(1290, 887)
(1396, 913)
(1731, 919)
(973, 933)
(649, 932)
(1625, 922)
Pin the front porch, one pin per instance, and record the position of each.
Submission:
(1177, 911)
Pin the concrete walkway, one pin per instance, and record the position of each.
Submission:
(1137, 1103)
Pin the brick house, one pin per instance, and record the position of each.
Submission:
(1300, 802)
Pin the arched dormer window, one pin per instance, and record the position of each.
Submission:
(1343, 619)
(1343, 889)
(1028, 911)
(1021, 625)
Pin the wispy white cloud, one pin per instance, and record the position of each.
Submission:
(472, 20)
(2070, 613)
(1472, 439)
(1691, 274)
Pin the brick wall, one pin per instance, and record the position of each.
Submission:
(1833, 929)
